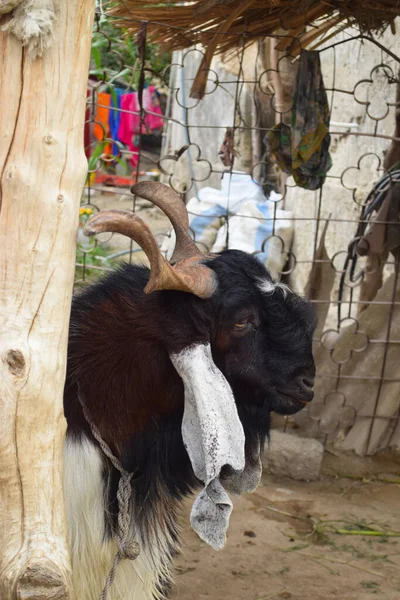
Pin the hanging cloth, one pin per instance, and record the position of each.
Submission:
(302, 149)
(151, 103)
(115, 117)
(129, 124)
(101, 129)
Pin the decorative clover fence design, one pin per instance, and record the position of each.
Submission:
(308, 238)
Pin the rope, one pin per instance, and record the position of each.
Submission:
(126, 549)
(372, 204)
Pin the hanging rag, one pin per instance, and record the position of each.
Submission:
(115, 117)
(101, 129)
(302, 149)
(227, 152)
(129, 124)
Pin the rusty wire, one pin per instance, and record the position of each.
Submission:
(388, 64)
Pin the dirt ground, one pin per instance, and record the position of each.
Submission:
(272, 552)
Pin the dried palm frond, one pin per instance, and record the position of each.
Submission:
(203, 19)
(220, 25)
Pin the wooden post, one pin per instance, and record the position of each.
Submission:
(42, 172)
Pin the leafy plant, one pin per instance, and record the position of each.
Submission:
(95, 161)
(87, 259)
(115, 57)
(370, 585)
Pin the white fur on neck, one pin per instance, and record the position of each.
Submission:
(92, 557)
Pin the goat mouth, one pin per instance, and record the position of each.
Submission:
(289, 402)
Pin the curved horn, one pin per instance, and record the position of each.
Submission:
(188, 276)
(172, 205)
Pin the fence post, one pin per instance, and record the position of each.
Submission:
(42, 171)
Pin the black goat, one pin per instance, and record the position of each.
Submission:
(123, 360)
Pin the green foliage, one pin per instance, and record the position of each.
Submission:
(85, 259)
(95, 163)
(371, 585)
(115, 56)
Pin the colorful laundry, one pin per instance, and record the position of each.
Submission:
(115, 117)
(128, 123)
(118, 118)
(153, 120)
(101, 129)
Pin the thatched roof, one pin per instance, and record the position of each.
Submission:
(222, 25)
(201, 20)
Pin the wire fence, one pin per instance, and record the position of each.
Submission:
(310, 238)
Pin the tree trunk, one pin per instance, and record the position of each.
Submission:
(42, 171)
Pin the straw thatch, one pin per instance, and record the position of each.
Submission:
(221, 23)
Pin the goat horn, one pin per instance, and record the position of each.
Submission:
(172, 205)
(187, 276)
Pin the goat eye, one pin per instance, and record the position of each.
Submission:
(241, 324)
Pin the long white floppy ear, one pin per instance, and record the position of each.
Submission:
(213, 436)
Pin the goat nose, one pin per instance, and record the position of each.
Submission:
(305, 387)
(307, 383)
